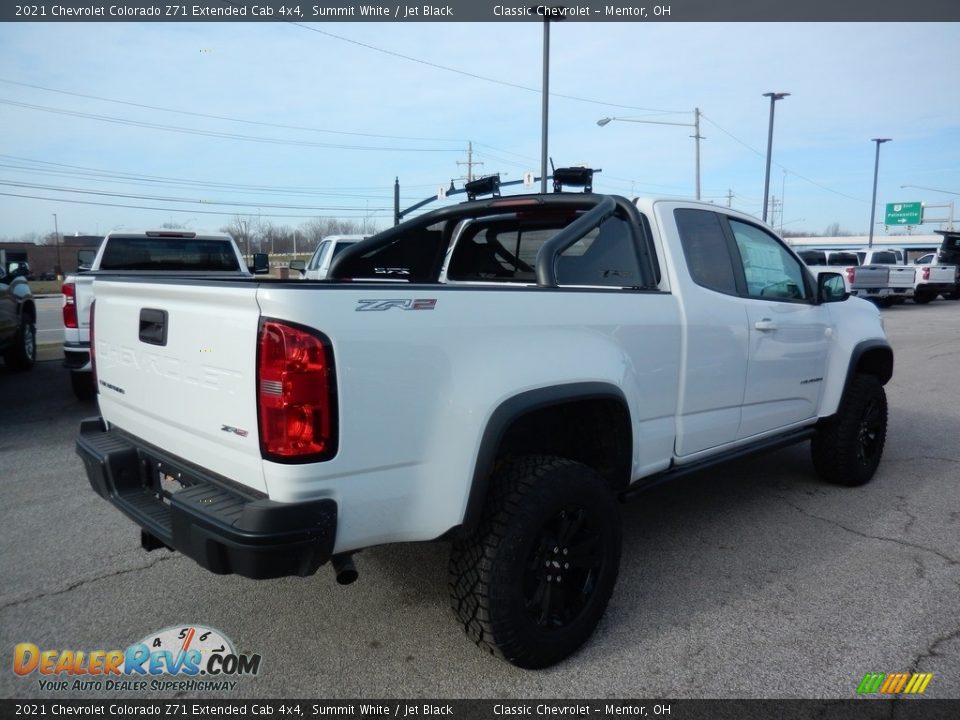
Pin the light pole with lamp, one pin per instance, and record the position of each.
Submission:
(697, 137)
(873, 202)
(774, 96)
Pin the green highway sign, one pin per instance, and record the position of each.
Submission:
(904, 213)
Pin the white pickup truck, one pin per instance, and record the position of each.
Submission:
(151, 252)
(329, 247)
(495, 374)
(934, 279)
(843, 262)
(882, 276)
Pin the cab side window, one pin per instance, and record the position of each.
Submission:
(771, 272)
(315, 260)
(705, 250)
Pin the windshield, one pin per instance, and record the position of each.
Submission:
(146, 253)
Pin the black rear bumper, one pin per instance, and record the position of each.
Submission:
(224, 529)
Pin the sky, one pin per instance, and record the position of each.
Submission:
(284, 122)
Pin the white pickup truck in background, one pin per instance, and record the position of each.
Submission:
(934, 279)
(152, 252)
(495, 374)
(901, 278)
(835, 261)
(319, 264)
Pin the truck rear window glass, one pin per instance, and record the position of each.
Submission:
(813, 257)
(839, 258)
(506, 251)
(168, 254)
(705, 249)
(884, 258)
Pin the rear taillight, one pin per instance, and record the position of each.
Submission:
(69, 305)
(93, 347)
(296, 393)
(850, 273)
(926, 273)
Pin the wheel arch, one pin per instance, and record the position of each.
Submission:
(587, 422)
(29, 309)
(871, 357)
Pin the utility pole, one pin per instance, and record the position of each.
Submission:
(698, 137)
(469, 163)
(56, 234)
(729, 198)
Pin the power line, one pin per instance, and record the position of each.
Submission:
(782, 167)
(476, 76)
(217, 134)
(193, 113)
(384, 196)
(202, 183)
(192, 211)
(104, 193)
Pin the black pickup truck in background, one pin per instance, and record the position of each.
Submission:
(18, 317)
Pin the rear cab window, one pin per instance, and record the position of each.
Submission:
(486, 245)
(163, 253)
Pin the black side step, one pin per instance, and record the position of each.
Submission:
(678, 471)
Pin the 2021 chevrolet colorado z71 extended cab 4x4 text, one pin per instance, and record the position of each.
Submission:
(496, 374)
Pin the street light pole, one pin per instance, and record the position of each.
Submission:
(56, 238)
(696, 136)
(546, 105)
(766, 178)
(873, 202)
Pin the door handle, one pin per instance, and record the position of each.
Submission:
(765, 325)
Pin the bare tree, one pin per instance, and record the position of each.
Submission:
(241, 229)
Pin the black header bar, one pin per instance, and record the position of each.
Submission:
(898, 11)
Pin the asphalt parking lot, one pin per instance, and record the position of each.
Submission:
(755, 580)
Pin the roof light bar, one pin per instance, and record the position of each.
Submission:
(489, 185)
(574, 177)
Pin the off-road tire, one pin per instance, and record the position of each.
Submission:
(23, 353)
(548, 521)
(923, 298)
(847, 448)
(82, 385)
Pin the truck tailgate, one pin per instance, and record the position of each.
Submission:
(937, 274)
(176, 365)
(870, 276)
(902, 277)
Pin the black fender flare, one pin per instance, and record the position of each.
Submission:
(884, 371)
(512, 409)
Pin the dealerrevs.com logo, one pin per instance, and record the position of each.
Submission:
(188, 658)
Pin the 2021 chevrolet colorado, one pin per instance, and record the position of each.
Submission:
(496, 374)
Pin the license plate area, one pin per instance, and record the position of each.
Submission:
(167, 480)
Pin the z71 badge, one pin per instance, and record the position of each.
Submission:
(408, 304)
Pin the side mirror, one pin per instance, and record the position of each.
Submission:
(85, 259)
(831, 288)
(299, 265)
(261, 264)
